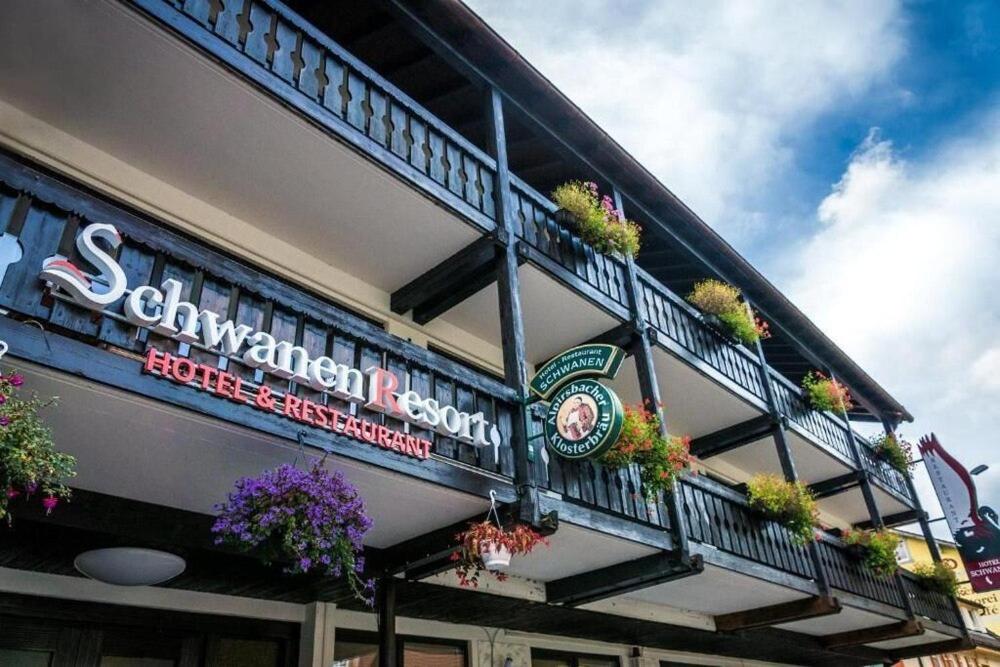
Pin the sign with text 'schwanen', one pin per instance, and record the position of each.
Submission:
(974, 527)
(584, 418)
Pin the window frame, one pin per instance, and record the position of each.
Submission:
(369, 637)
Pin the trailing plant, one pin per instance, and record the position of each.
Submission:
(597, 219)
(878, 549)
(311, 521)
(519, 540)
(789, 503)
(937, 577)
(29, 462)
(893, 450)
(662, 459)
(826, 393)
(722, 301)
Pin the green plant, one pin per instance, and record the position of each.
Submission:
(893, 450)
(519, 540)
(878, 548)
(826, 393)
(599, 222)
(29, 461)
(722, 301)
(937, 577)
(789, 503)
(662, 459)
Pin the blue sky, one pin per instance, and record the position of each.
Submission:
(850, 150)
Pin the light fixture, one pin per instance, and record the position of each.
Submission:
(129, 566)
(981, 468)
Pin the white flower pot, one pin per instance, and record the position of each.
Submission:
(495, 556)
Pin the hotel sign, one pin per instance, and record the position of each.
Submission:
(974, 527)
(163, 311)
(584, 418)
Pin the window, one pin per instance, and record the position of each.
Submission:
(360, 649)
(546, 658)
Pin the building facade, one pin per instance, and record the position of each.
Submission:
(363, 184)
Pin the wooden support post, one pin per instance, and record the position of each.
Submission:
(387, 622)
(511, 315)
(787, 461)
(648, 386)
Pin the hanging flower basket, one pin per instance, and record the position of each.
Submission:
(895, 451)
(662, 459)
(309, 521)
(826, 394)
(789, 503)
(596, 218)
(723, 309)
(487, 547)
(29, 462)
(875, 548)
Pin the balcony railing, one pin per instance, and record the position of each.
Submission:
(273, 46)
(589, 483)
(684, 333)
(931, 604)
(720, 517)
(560, 249)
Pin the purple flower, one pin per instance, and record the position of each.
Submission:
(4, 421)
(316, 521)
(3, 399)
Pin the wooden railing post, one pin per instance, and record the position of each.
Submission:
(511, 315)
(642, 351)
(786, 459)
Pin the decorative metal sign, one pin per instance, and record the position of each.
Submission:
(974, 526)
(584, 418)
(585, 361)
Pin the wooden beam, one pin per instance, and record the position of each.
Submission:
(891, 520)
(428, 554)
(621, 336)
(933, 648)
(734, 436)
(879, 633)
(834, 485)
(449, 283)
(812, 607)
(621, 578)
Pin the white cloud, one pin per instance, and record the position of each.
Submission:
(708, 95)
(904, 275)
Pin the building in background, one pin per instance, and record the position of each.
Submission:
(979, 610)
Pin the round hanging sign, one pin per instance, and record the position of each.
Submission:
(583, 420)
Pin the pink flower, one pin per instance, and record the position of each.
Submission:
(17, 379)
(49, 503)
(3, 399)
(12, 492)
